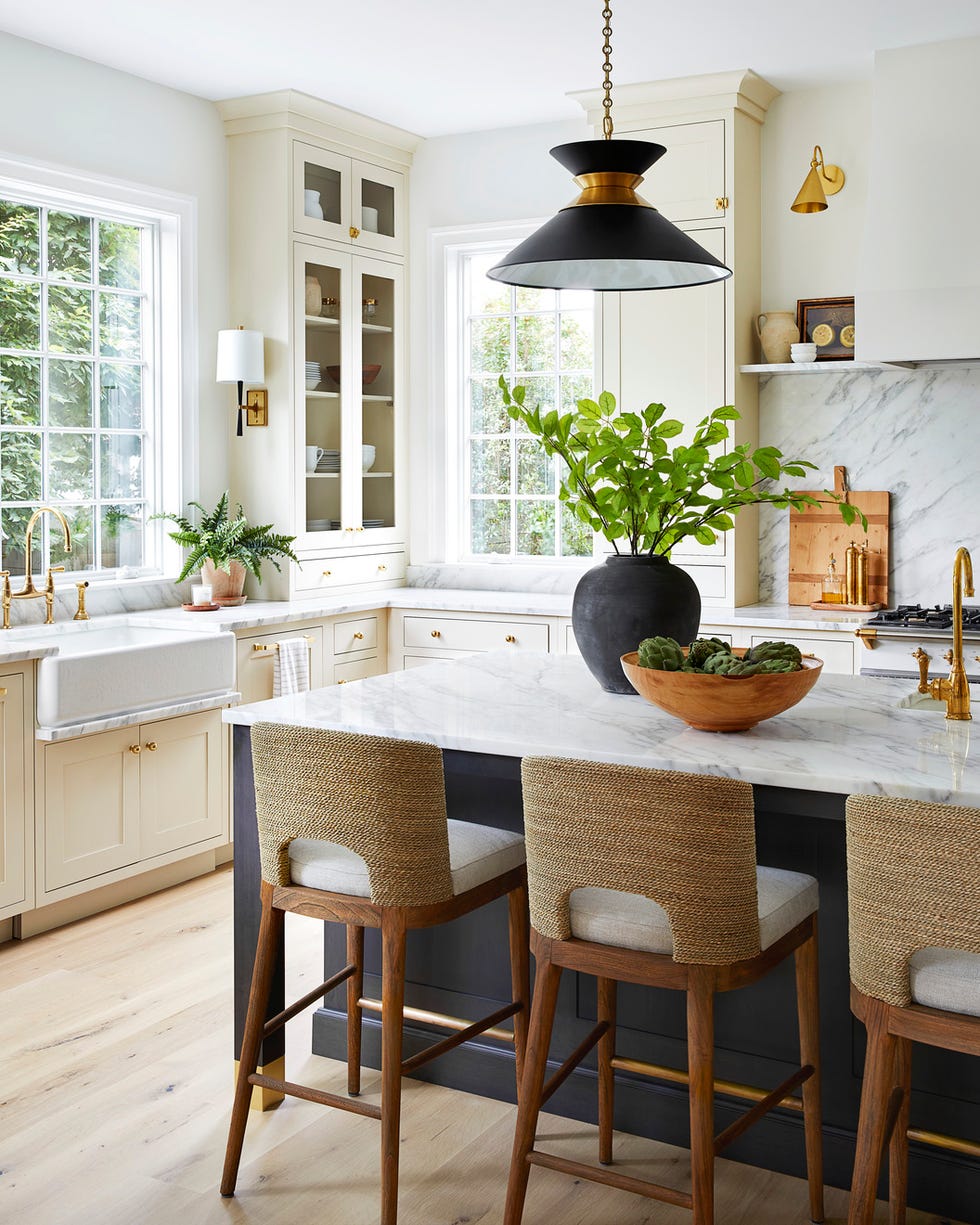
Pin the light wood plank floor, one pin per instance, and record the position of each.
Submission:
(116, 1088)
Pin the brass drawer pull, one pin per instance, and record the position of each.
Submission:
(135, 750)
(436, 633)
(354, 232)
(151, 746)
(327, 573)
(510, 638)
(261, 646)
(358, 635)
(382, 567)
(721, 202)
(3, 693)
(341, 682)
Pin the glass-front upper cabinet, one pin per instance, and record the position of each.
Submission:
(346, 200)
(349, 316)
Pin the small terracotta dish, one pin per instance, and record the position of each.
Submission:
(721, 703)
(200, 607)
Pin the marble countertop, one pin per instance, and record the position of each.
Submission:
(846, 736)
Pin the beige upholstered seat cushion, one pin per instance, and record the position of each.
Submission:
(946, 978)
(477, 853)
(631, 921)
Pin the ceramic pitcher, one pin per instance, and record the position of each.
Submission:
(776, 330)
(314, 296)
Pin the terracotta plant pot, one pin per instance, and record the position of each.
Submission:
(224, 586)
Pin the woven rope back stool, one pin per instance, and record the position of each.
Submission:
(914, 913)
(648, 876)
(353, 830)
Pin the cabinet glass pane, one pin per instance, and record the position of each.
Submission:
(377, 208)
(322, 374)
(321, 192)
(377, 459)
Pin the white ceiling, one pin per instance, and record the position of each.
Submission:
(439, 66)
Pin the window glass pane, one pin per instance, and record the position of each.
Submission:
(535, 470)
(575, 387)
(81, 520)
(20, 247)
(122, 465)
(490, 528)
(535, 342)
(122, 536)
(576, 536)
(69, 247)
(121, 396)
(20, 314)
(576, 341)
(20, 467)
(70, 393)
(13, 526)
(535, 528)
(70, 471)
(490, 345)
(535, 299)
(119, 325)
(490, 465)
(20, 390)
(486, 297)
(69, 319)
(119, 255)
(487, 412)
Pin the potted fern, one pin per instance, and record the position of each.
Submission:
(227, 548)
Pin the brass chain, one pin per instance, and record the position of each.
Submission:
(607, 123)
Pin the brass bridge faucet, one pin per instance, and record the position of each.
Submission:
(29, 591)
(954, 690)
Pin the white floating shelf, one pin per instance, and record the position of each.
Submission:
(323, 321)
(845, 367)
(323, 395)
(375, 327)
(367, 475)
(319, 476)
(377, 399)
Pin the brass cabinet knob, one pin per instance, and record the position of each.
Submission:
(3, 692)
(151, 745)
(382, 567)
(341, 682)
(510, 638)
(327, 573)
(358, 529)
(437, 633)
(976, 657)
(358, 635)
(948, 656)
(135, 750)
(721, 203)
(354, 232)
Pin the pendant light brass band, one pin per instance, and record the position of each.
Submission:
(609, 187)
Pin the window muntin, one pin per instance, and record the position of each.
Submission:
(76, 350)
(546, 340)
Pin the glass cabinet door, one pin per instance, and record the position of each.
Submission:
(378, 208)
(323, 289)
(321, 193)
(379, 288)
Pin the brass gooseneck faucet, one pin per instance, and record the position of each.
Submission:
(29, 591)
(954, 689)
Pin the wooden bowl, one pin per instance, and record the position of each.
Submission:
(368, 374)
(721, 703)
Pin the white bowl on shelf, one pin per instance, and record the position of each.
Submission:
(368, 454)
(803, 352)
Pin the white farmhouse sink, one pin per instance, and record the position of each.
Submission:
(100, 672)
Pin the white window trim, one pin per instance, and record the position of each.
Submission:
(173, 477)
(444, 428)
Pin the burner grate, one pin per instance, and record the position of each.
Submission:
(915, 617)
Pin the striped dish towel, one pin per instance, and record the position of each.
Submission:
(291, 667)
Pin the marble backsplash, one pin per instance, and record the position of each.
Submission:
(101, 599)
(915, 433)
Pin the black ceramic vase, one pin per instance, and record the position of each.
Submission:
(625, 600)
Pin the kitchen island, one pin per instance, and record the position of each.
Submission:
(488, 711)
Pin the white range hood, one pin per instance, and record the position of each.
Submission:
(917, 298)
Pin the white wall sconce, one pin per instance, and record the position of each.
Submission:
(821, 181)
(241, 360)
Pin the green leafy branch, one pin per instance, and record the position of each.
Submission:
(221, 539)
(625, 482)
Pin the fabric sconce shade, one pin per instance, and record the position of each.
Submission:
(241, 360)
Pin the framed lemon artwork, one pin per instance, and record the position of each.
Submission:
(829, 324)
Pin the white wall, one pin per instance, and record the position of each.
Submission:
(75, 114)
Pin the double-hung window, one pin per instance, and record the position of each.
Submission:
(509, 505)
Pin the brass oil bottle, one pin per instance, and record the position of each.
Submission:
(850, 573)
(862, 576)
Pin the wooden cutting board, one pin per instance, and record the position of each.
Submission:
(817, 531)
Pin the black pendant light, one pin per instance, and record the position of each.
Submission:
(609, 238)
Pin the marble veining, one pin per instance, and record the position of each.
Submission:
(913, 432)
(846, 736)
(131, 717)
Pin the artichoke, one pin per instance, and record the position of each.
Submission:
(766, 651)
(778, 665)
(704, 648)
(724, 663)
(663, 654)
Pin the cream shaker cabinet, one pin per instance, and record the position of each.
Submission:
(16, 792)
(118, 799)
(343, 199)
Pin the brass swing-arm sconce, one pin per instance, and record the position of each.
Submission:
(821, 181)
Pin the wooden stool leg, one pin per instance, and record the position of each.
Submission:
(355, 990)
(898, 1151)
(269, 940)
(519, 928)
(392, 1019)
(700, 1063)
(879, 1067)
(606, 993)
(808, 1010)
(546, 983)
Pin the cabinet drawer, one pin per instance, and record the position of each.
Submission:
(357, 670)
(316, 574)
(359, 635)
(256, 661)
(455, 634)
(836, 656)
(571, 646)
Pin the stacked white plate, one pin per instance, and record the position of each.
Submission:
(322, 525)
(329, 462)
(374, 522)
(312, 370)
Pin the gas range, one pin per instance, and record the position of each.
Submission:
(894, 638)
